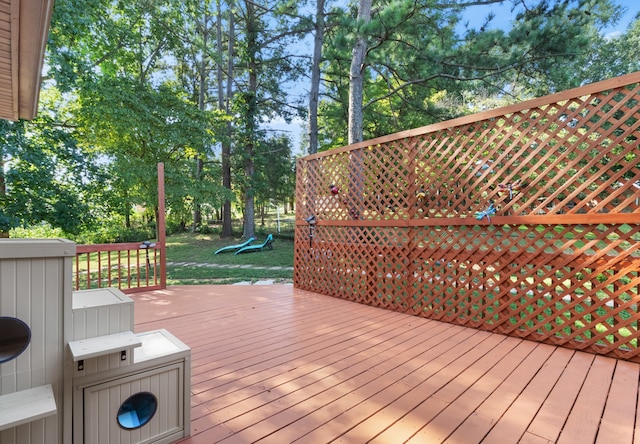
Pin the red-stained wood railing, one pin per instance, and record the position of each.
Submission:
(131, 267)
(523, 220)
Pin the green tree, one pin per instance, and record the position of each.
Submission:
(610, 56)
(195, 70)
(414, 53)
(136, 127)
(129, 110)
(275, 172)
(264, 67)
(45, 177)
(225, 95)
(316, 60)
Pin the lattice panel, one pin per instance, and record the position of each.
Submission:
(345, 263)
(523, 221)
(526, 281)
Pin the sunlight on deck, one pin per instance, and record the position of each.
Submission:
(276, 364)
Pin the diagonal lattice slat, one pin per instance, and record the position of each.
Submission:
(523, 220)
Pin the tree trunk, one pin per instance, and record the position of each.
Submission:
(250, 122)
(127, 210)
(356, 73)
(315, 77)
(223, 103)
(249, 199)
(197, 213)
(3, 184)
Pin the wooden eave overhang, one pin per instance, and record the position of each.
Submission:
(24, 28)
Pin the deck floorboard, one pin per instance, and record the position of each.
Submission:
(275, 364)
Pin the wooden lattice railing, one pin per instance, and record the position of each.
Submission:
(523, 220)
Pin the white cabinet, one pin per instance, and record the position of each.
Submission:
(128, 388)
(146, 402)
(72, 370)
(35, 283)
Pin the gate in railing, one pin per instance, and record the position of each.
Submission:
(523, 220)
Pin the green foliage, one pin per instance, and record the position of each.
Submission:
(611, 56)
(137, 127)
(42, 230)
(407, 44)
(113, 231)
(414, 54)
(45, 174)
(110, 230)
(274, 179)
(134, 83)
(127, 108)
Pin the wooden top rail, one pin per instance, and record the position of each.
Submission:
(551, 219)
(123, 246)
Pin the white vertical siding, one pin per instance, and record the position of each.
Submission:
(33, 290)
(35, 287)
(100, 313)
(102, 402)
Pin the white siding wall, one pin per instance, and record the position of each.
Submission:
(33, 289)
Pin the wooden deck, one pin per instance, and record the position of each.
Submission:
(275, 364)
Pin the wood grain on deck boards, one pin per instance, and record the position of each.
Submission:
(274, 364)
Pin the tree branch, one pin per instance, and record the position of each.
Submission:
(489, 72)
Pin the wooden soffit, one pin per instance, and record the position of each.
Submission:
(24, 27)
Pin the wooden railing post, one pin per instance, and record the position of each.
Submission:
(161, 230)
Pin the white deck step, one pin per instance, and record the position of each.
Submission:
(25, 406)
(103, 345)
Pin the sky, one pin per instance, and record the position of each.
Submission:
(475, 16)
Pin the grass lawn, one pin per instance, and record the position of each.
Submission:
(200, 249)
